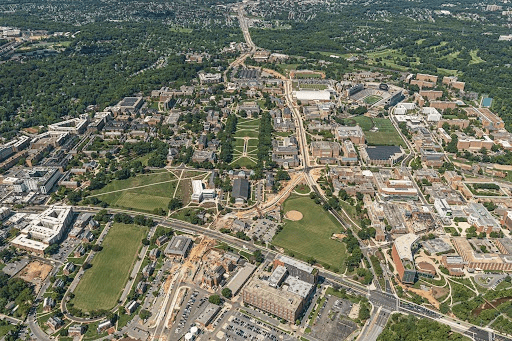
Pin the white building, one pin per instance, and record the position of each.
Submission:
(37, 179)
(4, 212)
(443, 208)
(210, 78)
(199, 193)
(45, 229)
(432, 114)
(312, 95)
(72, 126)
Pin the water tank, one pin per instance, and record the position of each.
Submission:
(189, 337)
(194, 330)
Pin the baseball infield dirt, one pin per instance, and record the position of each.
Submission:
(293, 215)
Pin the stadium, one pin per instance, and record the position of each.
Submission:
(374, 94)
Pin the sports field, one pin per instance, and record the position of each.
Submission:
(386, 135)
(297, 86)
(310, 237)
(372, 99)
(102, 284)
(299, 75)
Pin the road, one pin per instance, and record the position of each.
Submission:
(378, 298)
(412, 154)
(375, 325)
(383, 302)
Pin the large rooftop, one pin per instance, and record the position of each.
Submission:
(403, 245)
(295, 263)
(311, 95)
(382, 152)
(178, 245)
(281, 298)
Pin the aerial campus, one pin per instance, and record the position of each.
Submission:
(280, 170)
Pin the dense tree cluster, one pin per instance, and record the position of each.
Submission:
(15, 290)
(410, 328)
(227, 139)
(264, 146)
(353, 248)
(95, 69)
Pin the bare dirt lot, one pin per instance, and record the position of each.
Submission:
(293, 215)
(35, 272)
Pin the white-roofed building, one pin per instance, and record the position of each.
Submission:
(403, 108)
(199, 193)
(312, 95)
(432, 114)
(45, 229)
(403, 256)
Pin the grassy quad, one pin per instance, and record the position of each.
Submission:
(140, 180)
(156, 191)
(311, 236)
(246, 127)
(143, 198)
(102, 285)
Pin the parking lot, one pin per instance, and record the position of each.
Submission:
(65, 249)
(13, 268)
(332, 323)
(189, 312)
(244, 328)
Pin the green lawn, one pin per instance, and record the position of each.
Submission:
(372, 99)
(302, 189)
(388, 58)
(143, 198)
(185, 191)
(299, 75)
(453, 55)
(140, 180)
(364, 122)
(144, 159)
(248, 122)
(138, 199)
(284, 68)
(102, 284)
(239, 144)
(246, 127)
(5, 329)
(142, 202)
(386, 135)
(252, 146)
(243, 162)
(249, 132)
(310, 237)
(475, 59)
(351, 211)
